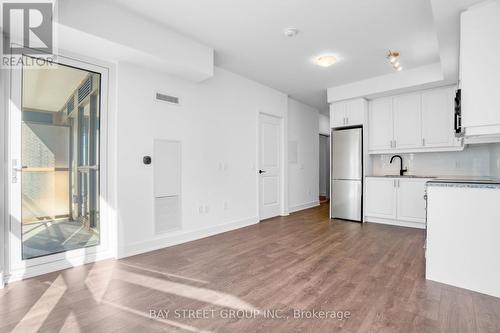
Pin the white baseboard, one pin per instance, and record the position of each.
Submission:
(399, 223)
(179, 237)
(307, 205)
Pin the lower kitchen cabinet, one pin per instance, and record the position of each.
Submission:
(411, 202)
(380, 197)
(398, 201)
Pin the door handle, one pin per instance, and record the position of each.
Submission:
(15, 170)
(261, 171)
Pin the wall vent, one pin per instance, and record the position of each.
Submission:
(84, 89)
(167, 99)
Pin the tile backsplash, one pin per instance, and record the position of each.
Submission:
(495, 160)
(474, 160)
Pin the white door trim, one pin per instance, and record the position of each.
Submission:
(107, 248)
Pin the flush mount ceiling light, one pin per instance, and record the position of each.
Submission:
(325, 60)
(290, 32)
(393, 57)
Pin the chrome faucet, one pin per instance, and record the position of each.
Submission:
(401, 170)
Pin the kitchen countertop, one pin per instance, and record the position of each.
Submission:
(398, 176)
(451, 181)
(469, 182)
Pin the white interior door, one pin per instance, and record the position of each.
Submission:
(57, 167)
(269, 166)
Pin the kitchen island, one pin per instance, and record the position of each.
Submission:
(463, 233)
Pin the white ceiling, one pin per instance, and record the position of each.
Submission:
(48, 88)
(248, 40)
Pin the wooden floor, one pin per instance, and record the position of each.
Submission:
(374, 274)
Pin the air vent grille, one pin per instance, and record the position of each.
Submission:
(167, 98)
(84, 89)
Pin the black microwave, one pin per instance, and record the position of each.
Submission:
(458, 112)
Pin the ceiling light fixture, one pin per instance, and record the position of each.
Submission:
(393, 57)
(290, 32)
(325, 60)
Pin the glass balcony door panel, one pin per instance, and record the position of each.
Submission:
(45, 171)
(59, 164)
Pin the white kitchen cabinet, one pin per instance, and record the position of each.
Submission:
(480, 69)
(348, 113)
(355, 111)
(416, 122)
(407, 121)
(437, 118)
(396, 201)
(411, 202)
(380, 123)
(380, 197)
(337, 114)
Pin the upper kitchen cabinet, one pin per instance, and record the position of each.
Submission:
(381, 125)
(348, 113)
(437, 118)
(416, 122)
(480, 69)
(407, 121)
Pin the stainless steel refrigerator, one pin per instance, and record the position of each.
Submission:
(347, 174)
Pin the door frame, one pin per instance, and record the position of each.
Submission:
(12, 271)
(283, 165)
(328, 166)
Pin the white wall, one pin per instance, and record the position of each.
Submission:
(474, 160)
(217, 126)
(324, 124)
(303, 173)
